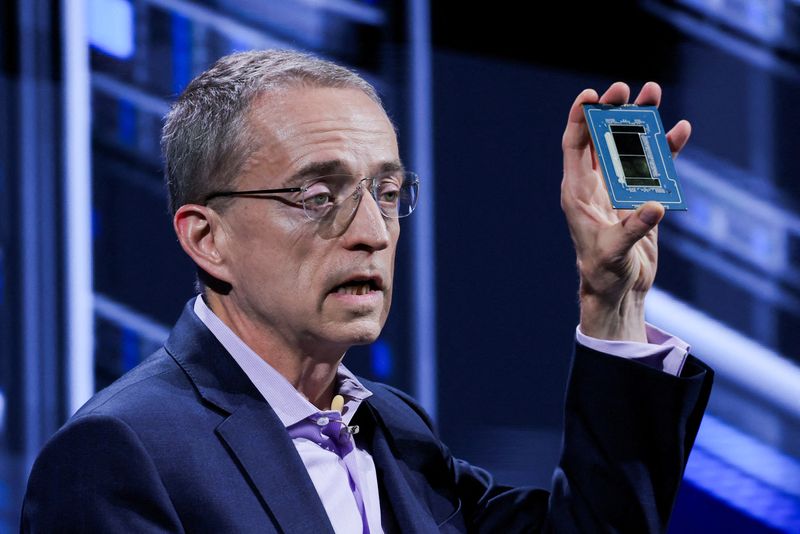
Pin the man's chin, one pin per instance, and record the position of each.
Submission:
(361, 331)
(365, 336)
(356, 325)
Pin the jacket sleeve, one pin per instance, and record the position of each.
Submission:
(628, 431)
(96, 476)
(627, 436)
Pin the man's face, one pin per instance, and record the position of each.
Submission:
(313, 286)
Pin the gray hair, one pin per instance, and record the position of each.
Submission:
(206, 137)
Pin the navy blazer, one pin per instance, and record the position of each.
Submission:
(185, 443)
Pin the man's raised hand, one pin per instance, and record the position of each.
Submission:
(617, 250)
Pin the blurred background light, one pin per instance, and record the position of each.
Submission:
(111, 26)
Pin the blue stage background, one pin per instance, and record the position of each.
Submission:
(485, 310)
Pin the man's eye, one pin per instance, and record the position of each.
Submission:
(389, 196)
(317, 196)
(318, 200)
(388, 192)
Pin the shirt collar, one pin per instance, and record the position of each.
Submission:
(289, 405)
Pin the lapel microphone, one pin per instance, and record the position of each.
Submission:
(337, 404)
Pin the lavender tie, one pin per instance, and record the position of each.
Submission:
(327, 430)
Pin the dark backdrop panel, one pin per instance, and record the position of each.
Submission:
(506, 275)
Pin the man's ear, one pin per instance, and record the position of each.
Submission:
(200, 234)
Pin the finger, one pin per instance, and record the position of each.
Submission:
(576, 134)
(617, 94)
(650, 95)
(678, 136)
(636, 225)
(575, 142)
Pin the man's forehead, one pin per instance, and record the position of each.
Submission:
(304, 131)
(302, 101)
(305, 112)
(333, 167)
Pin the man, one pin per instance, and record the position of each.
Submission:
(286, 188)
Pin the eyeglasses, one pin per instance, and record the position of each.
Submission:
(324, 197)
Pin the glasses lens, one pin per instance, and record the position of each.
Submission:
(328, 197)
(396, 193)
(319, 198)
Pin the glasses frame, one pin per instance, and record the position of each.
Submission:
(263, 194)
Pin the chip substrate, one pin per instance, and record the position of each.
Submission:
(634, 155)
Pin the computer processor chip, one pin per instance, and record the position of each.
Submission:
(634, 155)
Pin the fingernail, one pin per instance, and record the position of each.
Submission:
(649, 217)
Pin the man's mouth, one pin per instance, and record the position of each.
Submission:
(357, 287)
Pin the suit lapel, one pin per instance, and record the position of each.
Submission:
(269, 459)
(402, 496)
(251, 430)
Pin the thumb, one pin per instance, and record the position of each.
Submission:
(636, 225)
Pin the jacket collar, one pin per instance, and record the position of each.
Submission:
(253, 433)
(251, 430)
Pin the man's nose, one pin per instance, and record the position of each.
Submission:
(368, 227)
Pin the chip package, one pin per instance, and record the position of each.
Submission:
(634, 155)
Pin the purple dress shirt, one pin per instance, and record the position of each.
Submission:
(326, 469)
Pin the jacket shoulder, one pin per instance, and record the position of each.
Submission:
(155, 388)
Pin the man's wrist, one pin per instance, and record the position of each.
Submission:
(621, 320)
